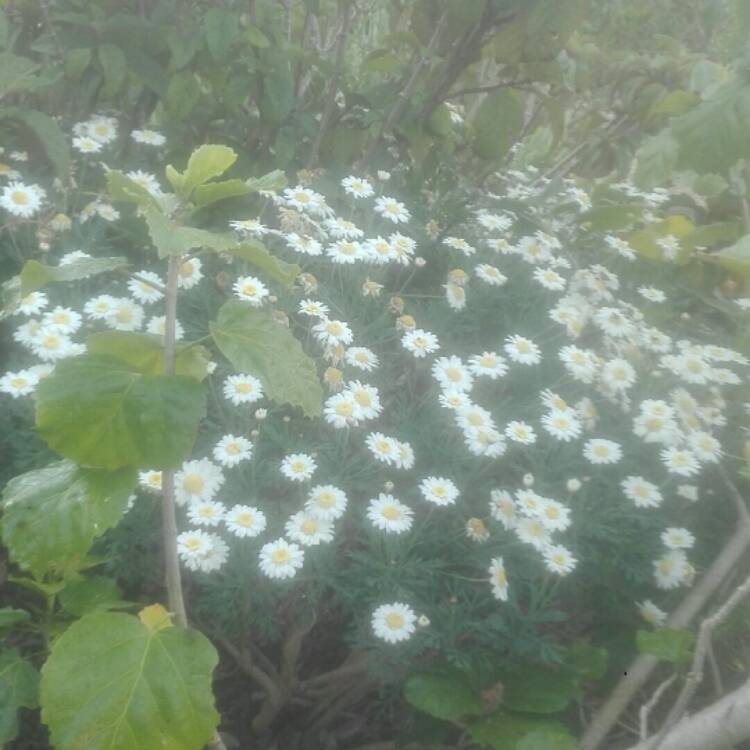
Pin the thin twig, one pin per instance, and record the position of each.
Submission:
(647, 708)
(330, 96)
(405, 94)
(695, 676)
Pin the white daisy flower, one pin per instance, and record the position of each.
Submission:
(522, 350)
(62, 320)
(490, 274)
(125, 315)
(438, 490)
(21, 383)
(452, 374)
(618, 374)
(150, 137)
(86, 145)
(249, 227)
(600, 451)
(251, 290)
(280, 559)
(394, 622)
(503, 508)
(652, 294)
(550, 279)
(332, 332)
(243, 389)
(327, 502)
(672, 570)
(385, 449)
(313, 308)
(520, 432)
(562, 424)
(32, 304)
(298, 467)
(232, 449)
(146, 181)
(22, 200)
(705, 446)
(680, 461)
(555, 516)
(558, 559)
(345, 252)
(189, 273)
(643, 493)
(498, 579)
(391, 209)
(366, 400)
(339, 410)
(390, 515)
(361, 358)
(197, 481)
(308, 529)
(150, 480)
(146, 287)
(206, 513)
(245, 521)
(532, 531)
(357, 187)
(489, 364)
(420, 343)
(100, 307)
(677, 538)
(651, 613)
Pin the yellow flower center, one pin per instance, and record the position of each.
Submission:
(391, 512)
(19, 197)
(308, 526)
(245, 519)
(193, 484)
(395, 621)
(280, 556)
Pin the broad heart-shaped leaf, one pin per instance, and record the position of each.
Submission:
(146, 353)
(122, 188)
(255, 252)
(46, 131)
(113, 683)
(52, 515)
(503, 731)
(171, 239)
(205, 163)
(19, 687)
(444, 695)
(256, 344)
(644, 242)
(100, 411)
(16, 73)
(497, 124)
(539, 690)
(91, 594)
(35, 275)
(205, 195)
(668, 644)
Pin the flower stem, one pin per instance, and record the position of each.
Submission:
(169, 521)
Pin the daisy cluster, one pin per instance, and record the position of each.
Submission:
(569, 369)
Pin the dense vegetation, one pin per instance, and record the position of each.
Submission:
(374, 373)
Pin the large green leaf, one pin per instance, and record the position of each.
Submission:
(255, 252)
(443, 695)
(549, 26)
(275, 180)
(145, 353)
(183, 95)
(92, 594)
(171, 239)
(46, 132)
(668, 644)
(52, 515)
(100, 411)
(714, 135)
(114, 67)
(122, 188)
(255, 343)
(497, 124)
(221, 29)
(539, 690)
(547, 739)
(16, 73)
(205, 195)
(503, 731)
(205, 163)
(113, 682)
(19, 687)
(587, 661)
(655, 160)
(35, 275)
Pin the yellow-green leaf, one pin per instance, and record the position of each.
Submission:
(113, 683)
(255, 252)
(172, 239)
(52, 515)
(205, 195)
(256, 344)
(100, 411)
(205, 163)
(35, 275)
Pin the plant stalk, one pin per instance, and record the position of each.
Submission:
(169, 521)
